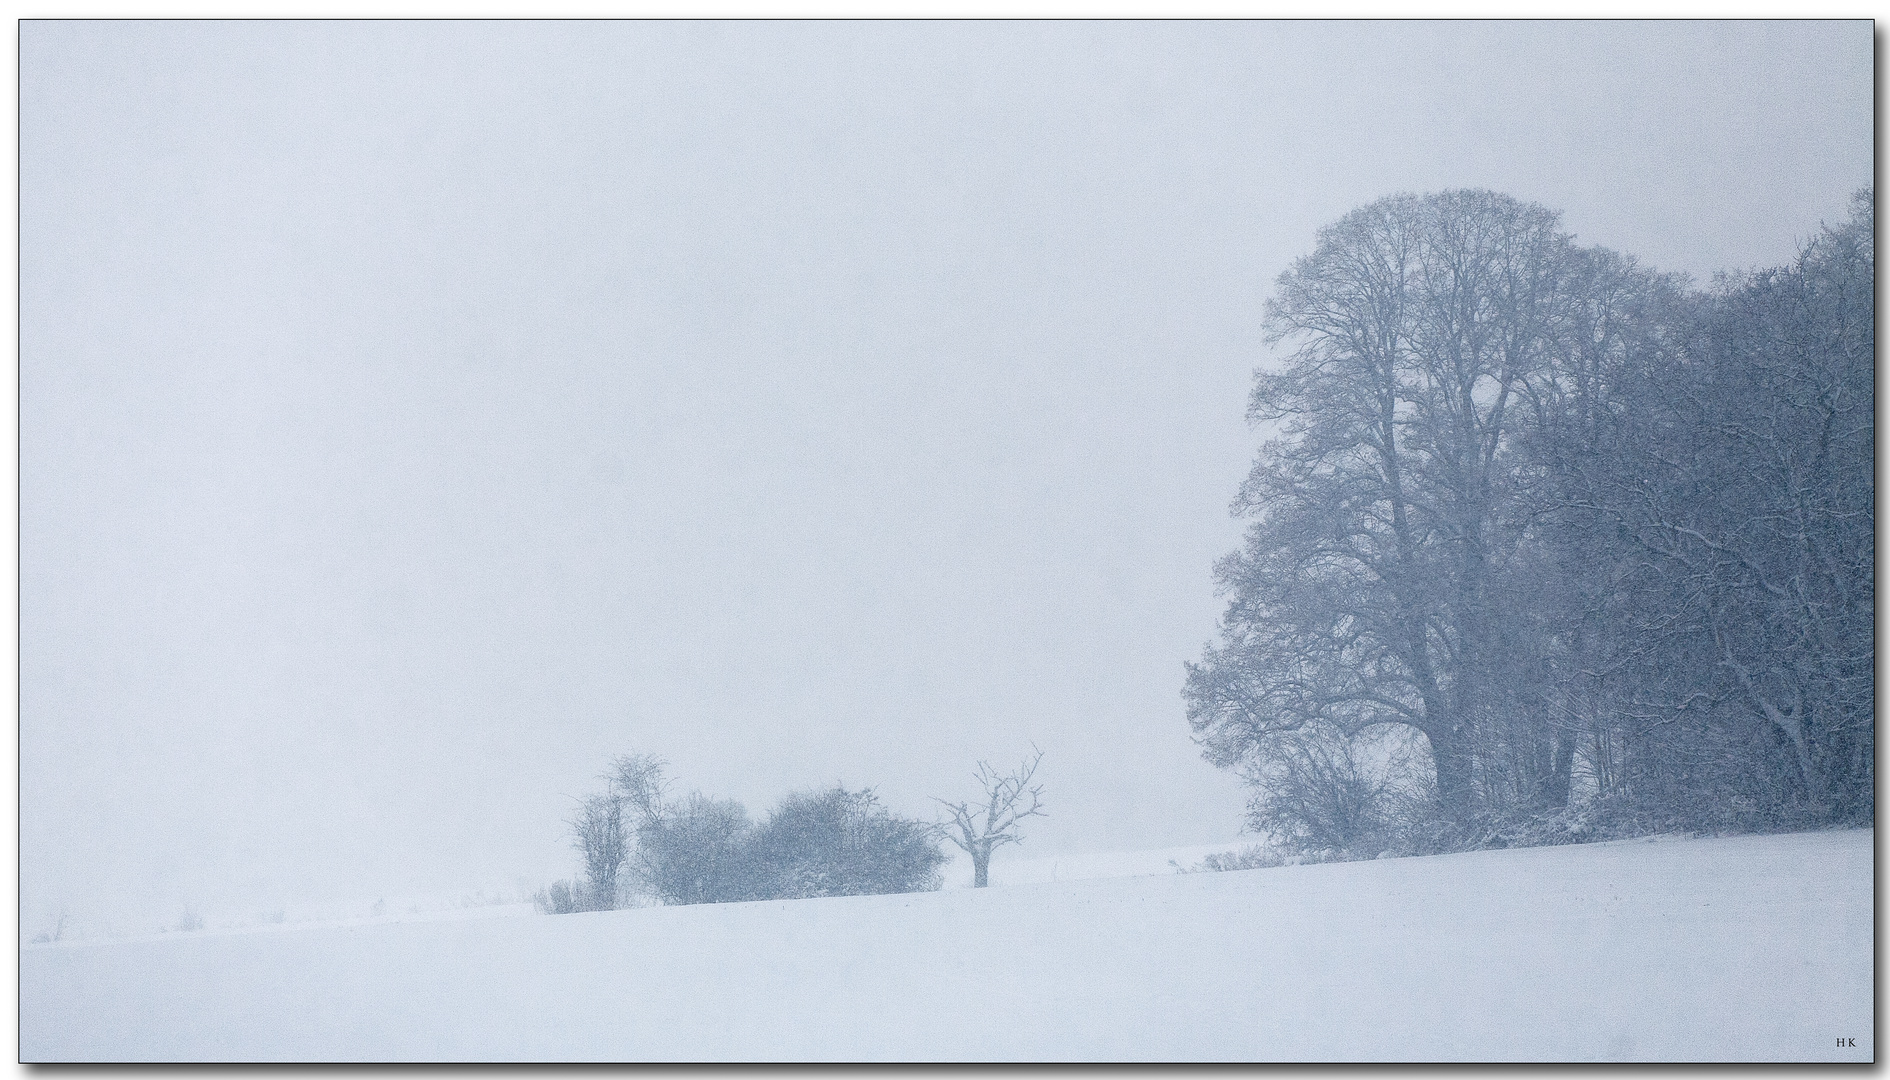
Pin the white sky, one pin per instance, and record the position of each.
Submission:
(415, 415)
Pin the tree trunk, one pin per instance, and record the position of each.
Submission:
(1450, 752)
(980, 868)
(1562, 771)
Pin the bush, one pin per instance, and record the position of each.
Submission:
(843, 843)
(560, 899)
(1328, 795)
(697, 852)
(700, 850)
(1251, 857)
(1321, 796)
(820, 843)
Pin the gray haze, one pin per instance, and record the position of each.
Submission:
(415, 415)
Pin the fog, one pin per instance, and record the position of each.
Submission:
(415, 415)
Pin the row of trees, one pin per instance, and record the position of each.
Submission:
(638, 841)
(1547, 543)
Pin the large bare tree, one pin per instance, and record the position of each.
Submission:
(1364, 592)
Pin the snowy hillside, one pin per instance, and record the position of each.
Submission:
(1751, 948)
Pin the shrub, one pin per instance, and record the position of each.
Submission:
(844, 843)
(700, 850)
(1326, 794)
(559, 899)
(697, 852)
(1251, 857)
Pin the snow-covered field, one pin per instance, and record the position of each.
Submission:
(1749, 948)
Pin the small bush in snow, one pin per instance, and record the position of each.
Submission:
(557, 900)
(1251, 857)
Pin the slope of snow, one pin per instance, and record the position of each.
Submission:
(1749, 948)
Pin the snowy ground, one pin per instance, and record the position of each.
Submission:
(1018, 866)
(1751, 948)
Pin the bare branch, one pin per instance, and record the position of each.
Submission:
(1009, 798)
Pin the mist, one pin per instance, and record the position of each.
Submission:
(416, 415)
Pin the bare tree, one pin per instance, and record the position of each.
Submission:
(1364, 593)
(597, 831)
(639, 779)
(1009, 798)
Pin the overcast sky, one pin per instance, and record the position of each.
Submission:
(413, 416)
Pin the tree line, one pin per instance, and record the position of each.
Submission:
(640, 843)
(1546, 545)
